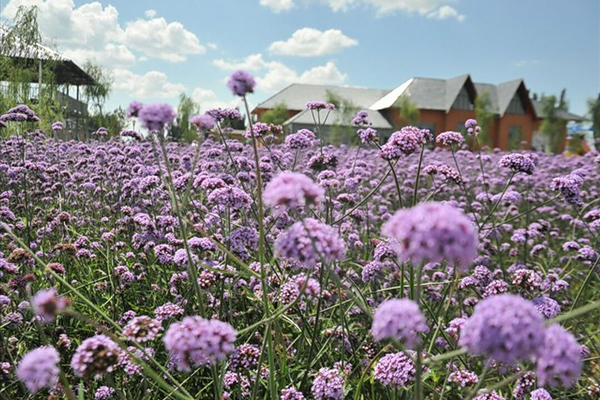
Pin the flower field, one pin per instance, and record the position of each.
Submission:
(139, 268)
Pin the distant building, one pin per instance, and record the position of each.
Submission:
(444, 105)
(66, 85)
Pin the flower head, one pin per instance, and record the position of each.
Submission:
(519, 162)
(309, 241)
(292, 190)
(406, 141)
(47, 304)
(505, 328)
(241, 83)
(203, 122)
(399, 319)
(57, 126)
(433, 232)
(396, 370)
(95, 356)
(569, 186)
(155, 117)
(559, 360)
(142, 329)
(134, 109)
(320, 105)
(450, 138)
(328, 385)
(39, 368)
(196, 342)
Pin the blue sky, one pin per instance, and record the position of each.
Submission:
(157, 49)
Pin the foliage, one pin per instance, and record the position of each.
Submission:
(341, 131)
(184, 130)
(409, 112)
(276, 115)
(114, 121)
(97, 93)
(552, 126)
(484, 114)
(594, 113)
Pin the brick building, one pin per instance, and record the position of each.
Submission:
(444, 105)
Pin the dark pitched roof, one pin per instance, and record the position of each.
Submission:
(425, 93)
(297, 95)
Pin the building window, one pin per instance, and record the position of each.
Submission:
(515, 106)
(515, 136)
(463, 100)
(460, 127)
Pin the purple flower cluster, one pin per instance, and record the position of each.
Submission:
(39, 369)
(406, 141)
(292, 190)
(197, 342)
(519, 162)
(47, 304)
(505, 328)
(559, 361)
(241, 83)
(310, 242)
(328, 385)
(399, 319)
(155, 117)
(142, 329)
(433, 232)
(320, 105)
(569, 186)
(303, 139)
(95, 356)
(395, 370)
(203, 122)
(450, 138)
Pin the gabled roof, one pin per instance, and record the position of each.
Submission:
(297, 95)
(305, 117)
(425, 93)
(505, 93)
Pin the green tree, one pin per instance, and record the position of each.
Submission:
(97, 93)
(485, 116)
(277, 115)
(551, 126)
(114, 121)
(184, 130)
(409, 112)
(341, 131)
(594, 114)
(20, 76)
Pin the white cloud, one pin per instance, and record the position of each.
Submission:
(310, 42)
(167, 41)
(253, 62)
(446, 12)
(110, 56)
(152, 85)
(207, 99)
(382, 7)
(278, 75)
(278, 5)
(93, 31)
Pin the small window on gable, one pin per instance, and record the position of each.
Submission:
(515, 106)
(463, 100)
